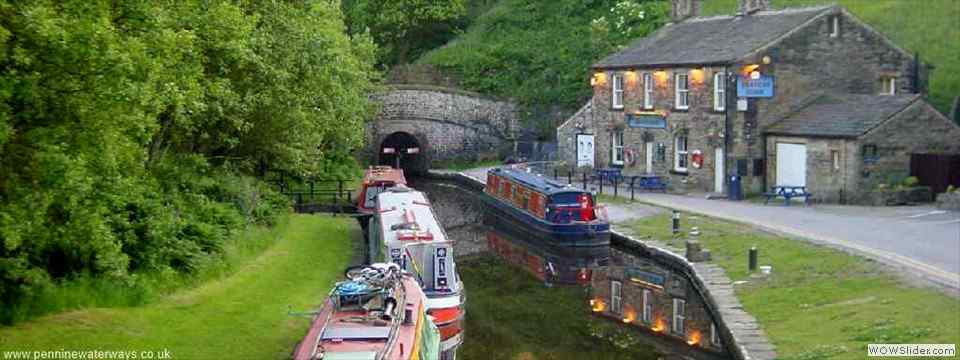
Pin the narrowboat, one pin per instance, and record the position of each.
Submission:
(377, 314)
(375, 180)
(544, 209)
(546, 261)
(405, 231)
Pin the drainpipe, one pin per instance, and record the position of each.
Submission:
(730, 106)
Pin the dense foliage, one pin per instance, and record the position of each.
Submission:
(405, 29)
(126, 128)
(539, 52)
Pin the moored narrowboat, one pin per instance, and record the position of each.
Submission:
(375, 180)
(378, 314)
(545, 209)
(405, 231)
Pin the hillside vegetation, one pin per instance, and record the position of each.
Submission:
(539, 52)
(930, 27)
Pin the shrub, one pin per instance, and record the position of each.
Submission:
(911, 181)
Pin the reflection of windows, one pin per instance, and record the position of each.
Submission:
(616, 305)
(888, 85)
(870, 154)
(647, 91)
(833, 25)
(719, 92)
(682, 92)
(616, 148)
(680, 153)
(714, 336)
(617, 91)
(679, 315)
(647, 306)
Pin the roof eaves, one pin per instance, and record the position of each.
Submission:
(660, 65)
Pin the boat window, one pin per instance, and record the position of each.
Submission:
(370, 199)
(567, 207)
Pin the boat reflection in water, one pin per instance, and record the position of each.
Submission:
(547, 261)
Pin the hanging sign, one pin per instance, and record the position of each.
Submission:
(761, 87)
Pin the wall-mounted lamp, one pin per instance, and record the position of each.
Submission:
(755, 75)
(766, 60)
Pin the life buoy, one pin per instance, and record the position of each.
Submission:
(697, 159)
(628, 157)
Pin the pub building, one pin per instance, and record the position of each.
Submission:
(810, 97)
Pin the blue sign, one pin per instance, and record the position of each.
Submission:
(647, 121)
(755, 88)
(644, 277)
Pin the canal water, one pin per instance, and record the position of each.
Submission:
(461, 212)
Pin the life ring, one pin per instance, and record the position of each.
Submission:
(629, 157)
(697, 159)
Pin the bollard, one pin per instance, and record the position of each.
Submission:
(632, 187)
(601, 184)
(676, 222)
(616, 186)
(584, 181)
(555, 173)
(569, 177)
(752, 265)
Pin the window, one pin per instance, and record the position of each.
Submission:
(682, 91)
(714, 336)
(617, 91)
(647, 91)
(833, 25)
(647, 306)
(616, 148)
(888, 85)
(679, 315)
(616, 306)
(835, 156)
(680, 153)
(719, 91)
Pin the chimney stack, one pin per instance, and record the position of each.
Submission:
(751, 6)
(684, 9)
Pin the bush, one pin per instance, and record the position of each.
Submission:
(911, 181)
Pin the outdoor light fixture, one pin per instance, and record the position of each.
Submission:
(766, 60)
(754, 75)
(696, 76)
(598, 78)
(694, 338)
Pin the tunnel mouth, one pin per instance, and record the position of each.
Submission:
(402, 150)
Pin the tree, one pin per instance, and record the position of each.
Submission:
(404, 27)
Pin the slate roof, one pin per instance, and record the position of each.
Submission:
(840, 115)
(710, 40)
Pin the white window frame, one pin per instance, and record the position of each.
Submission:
(616, 148)
(616, 89)
(616, 297)
(680, 156)
(835, 159)
(647, 91)
(679, 316)
(681, 95)
(647, 315)
(835, 23)
(714, 336)
(891, 89)
(719, 92)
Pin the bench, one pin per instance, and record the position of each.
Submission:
(648, 183)
(787, 193)
(607, 175)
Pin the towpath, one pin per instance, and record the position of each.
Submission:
(919, 241)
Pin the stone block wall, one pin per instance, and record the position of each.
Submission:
(827, 182)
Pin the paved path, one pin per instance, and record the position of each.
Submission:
(921, 240)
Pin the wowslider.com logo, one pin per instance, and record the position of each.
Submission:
(912, 350)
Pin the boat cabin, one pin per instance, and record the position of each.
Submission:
(546, 199)
(375, 180)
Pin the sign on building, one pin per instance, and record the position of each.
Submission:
(761, 87)
(646, 120)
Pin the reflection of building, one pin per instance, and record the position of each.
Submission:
(638, 292)
(806, 97)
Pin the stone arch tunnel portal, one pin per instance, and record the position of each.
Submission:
(403, 150)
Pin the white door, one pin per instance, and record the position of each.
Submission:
(791, 164)
(648, 154)
(718, 171)
(585, 150)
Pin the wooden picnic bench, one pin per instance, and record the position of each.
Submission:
(788, 192)
(607, 175)
(648, 183)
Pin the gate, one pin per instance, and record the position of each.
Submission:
(936, 171)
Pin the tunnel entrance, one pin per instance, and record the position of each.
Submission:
(402, 150)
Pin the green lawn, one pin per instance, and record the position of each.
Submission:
(513, 316)
(819, 303)
(241, 316)
(928, 26)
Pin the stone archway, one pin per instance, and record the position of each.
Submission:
(402, 149)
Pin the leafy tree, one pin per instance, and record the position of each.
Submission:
(404, 29)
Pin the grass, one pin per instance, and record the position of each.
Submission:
(461, 165)
(930, 27)
(243, 315)
(820, 303)
(513, 316)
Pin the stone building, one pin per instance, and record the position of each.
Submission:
(704, 98)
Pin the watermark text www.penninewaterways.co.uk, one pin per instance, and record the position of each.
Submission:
(160, 354)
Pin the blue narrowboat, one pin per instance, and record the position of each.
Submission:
(544, 209)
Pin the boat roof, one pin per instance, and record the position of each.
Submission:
(384, 173)
(398, 203)
(538, 182)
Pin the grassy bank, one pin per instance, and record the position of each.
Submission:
(819, 303)
(512, 316)
(239, 316)
(929, 27)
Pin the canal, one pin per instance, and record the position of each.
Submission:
(526, 300)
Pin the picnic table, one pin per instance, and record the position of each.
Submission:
(648, 182)
(608, 175)
(788, 192)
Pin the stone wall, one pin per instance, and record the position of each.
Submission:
(447, 123)
(827, 182)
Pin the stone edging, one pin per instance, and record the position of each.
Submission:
(738, 329)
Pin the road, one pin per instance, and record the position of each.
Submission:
(919, 241)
